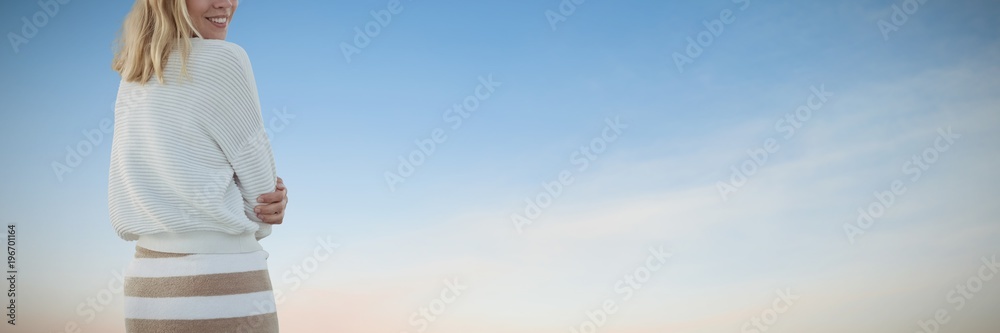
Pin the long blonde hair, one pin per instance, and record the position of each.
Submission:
(150, 31)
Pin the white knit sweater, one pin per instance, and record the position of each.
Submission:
(189, 157)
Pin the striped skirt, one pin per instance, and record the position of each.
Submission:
(194, 293)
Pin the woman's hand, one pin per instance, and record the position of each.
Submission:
(272, 205)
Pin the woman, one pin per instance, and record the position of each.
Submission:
(192, 177)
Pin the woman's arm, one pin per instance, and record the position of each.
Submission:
(243, 138)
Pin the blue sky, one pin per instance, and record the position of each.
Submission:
(656, 185)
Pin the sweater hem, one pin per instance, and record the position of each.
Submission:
(201, 241)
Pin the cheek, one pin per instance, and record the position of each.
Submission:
(198, 7)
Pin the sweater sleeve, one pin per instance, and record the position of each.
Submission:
(241, 135)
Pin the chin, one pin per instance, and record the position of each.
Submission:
(214, 36)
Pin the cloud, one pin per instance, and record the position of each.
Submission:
(782, 230)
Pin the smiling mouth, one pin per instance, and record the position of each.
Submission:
(219, 21)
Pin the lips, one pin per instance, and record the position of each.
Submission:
(219, 21)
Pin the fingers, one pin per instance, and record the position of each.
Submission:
(271, 213)
(270, 208)
(272, 197)
(273, 218)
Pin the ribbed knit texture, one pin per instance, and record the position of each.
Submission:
(191, 154)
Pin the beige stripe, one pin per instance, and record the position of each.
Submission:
(141, 252)
(262, 323)
(198, 285)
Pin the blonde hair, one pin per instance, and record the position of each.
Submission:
(150, 32)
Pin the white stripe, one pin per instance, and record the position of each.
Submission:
(203, 307)
(197, 264)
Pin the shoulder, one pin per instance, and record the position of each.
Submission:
(217, 45)
(220, 53)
